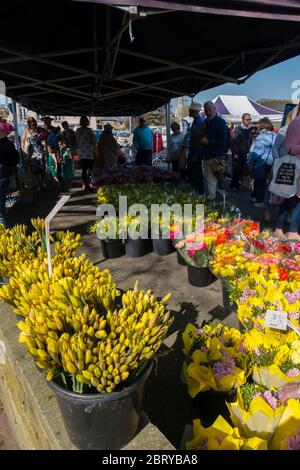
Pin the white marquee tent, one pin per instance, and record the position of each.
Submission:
(232, 107)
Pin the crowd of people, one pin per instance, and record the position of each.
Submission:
(202, 156)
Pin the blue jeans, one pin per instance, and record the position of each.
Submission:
(4, 187)
(295, 219)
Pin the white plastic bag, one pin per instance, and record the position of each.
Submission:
(286, 171)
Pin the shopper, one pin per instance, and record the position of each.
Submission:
(9, 158)
(33, 150)
(86, 142)
(240, 146)
(260, 160)
(67, 167)
(69, 136)
(292, 205)
(143, 142)
(177, 142)
(215, 144)
(195, 152)
(108, 149)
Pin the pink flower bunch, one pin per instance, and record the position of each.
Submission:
(291, 264)
(268, 260)
(223, 368)
(293, 442)
(249, 255)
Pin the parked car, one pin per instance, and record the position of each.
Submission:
(123, 138)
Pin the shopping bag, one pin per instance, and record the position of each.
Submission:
(286, 171)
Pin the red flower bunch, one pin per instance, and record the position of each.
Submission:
(283, 274)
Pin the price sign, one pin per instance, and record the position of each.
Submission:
(276, 319)
(48, 219)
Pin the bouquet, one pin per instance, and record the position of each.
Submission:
(222, 436)
(255, 295)
(257, 412)
(215, 359)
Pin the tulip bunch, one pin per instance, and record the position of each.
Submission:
(76, 324)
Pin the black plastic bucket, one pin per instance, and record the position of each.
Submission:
(112, 248)
(162, 246)
(180, 259)
(228, 306)
(135, 248)
(199, 277)
(102, 421)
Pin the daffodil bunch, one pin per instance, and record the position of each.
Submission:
(215, 359)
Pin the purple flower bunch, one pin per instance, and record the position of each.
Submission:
(292, 297)
(270, 399)
(293, 442)
(246, 294)
(223, 368)
(293, 372)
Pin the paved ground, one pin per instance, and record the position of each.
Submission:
(166, 399)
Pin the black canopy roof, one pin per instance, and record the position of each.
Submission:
(75, 57)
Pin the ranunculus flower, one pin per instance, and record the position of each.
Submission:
(283, 274)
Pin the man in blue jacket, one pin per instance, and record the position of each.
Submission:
(143, 142)
(215, 145)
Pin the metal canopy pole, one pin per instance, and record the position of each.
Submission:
(168, 131)
(15, 121)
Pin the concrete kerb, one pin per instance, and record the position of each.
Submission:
(31, 407)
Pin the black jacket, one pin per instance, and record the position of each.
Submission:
(241, 141)
(9, 158)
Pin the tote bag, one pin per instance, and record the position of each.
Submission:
(286, 171)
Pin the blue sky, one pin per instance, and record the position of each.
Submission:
(273, 82)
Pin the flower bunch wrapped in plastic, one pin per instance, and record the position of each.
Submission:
(221, 436)
(258, 412)
(215, 359)
(277, 366)
(197, 248)
(256, 294)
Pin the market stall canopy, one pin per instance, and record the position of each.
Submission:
(231, 108)
(77, 57)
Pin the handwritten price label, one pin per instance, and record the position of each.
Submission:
(275, 319)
